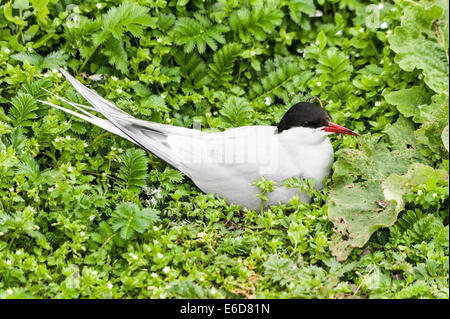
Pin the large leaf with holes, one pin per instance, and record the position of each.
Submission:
(357, 205)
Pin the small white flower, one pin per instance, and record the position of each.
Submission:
(18, 252)
(119, 91)
(11, 189)
(9, 291)
(201, 279)
(149, 249)
(419, 192)
(419, 106)
(85, 144)
(50, 189)
(153, 201)
(381, 62)
(166, 270)
(389, 31)
(330, 101)
(92, 217)
(208, 114)
(114, 78)
(82, 233)
(120, 150)
(394, 9)
(319, 83)
(252, 53)
(377, 103)
(357, 55)
(109, 285)
(299, 51)
(220, 21)
(319, 13)
(434, 195)
(156, 242)
(8, 262)
(159, 255)
(154, 275)
(68, 137)
(267, 100)
(324, 217)
(6, 50)
(57, 139)
(377, 80)
(113, 148)
(347, 57)
(135, 257)
(163, 96)
(380, 6)
(384, 25)
(291, 285)
(159, 40)
(361, 30)
(98, 5)
(69, 168)
(155, 228)
(30, 49)
(168, 120)
(313, 217)
(339, 32)
(317, 42)
(95, 272)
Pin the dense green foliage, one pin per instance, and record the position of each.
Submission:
(86, 214)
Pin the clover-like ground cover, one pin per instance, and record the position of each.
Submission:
(85, 214)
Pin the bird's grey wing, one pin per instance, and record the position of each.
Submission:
(148, 135)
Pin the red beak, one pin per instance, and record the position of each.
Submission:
(334, 128)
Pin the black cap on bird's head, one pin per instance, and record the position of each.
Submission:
(311, 115)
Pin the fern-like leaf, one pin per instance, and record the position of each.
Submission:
(23, 110)
(127, 17)
(193, 69)
(236, 112)
(283, 78)
(261, 20)
(51, 61)
(198, 32)
(223, 62)
(128, 219)
(134, 169)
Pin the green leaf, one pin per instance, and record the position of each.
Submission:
(297, 7)
(417, 46)
(23, 110)
(356, 205)
(128, 219)
(198, 32)
(434, 117)
(396, 186)
(444, 137)
(409, 101)
(236, 111)
(134, 169)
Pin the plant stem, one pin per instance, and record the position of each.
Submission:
(87, 58)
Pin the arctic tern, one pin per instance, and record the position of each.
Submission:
(228, 163)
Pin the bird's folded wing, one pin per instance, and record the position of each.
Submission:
(146, 134)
